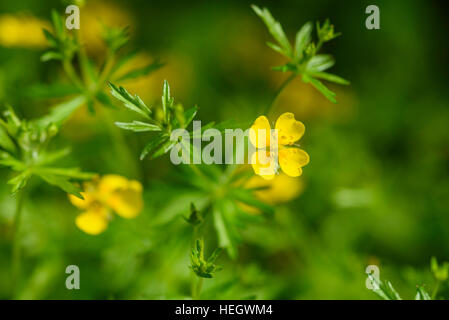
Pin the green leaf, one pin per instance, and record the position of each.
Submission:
(50, 157)
(141, 71)
(303, 37)
(189, 115)
(62, 183)
(133, 103)
(247, 197)
(6, 142)
(223, 232)
(50, 38)
(155, 142)
(163, 149)
(138, 126)
(19, 181)
(58, 24)
(384, 290)
(329, 77)
(73, 173)
(51, 55)
(104, 99)
(422, 294)
(60, 113)
(320, 87)
(320, 62)
(167, 101)
(275, 29)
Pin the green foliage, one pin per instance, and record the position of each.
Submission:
(204, 268)
(89, 83)
(24, 145)
(304, 60)
(440, 272)
(173, 117)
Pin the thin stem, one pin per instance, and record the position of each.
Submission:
(15, 265)
(278, 92)
(197, 290)
(435, 290)
(121, 146)
(70, 71)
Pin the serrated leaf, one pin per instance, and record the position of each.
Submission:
(275, 29)
(155, 142)
(163, 149)
(138, 126)
(133, 103)
(189, 115)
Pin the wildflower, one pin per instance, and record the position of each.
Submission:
(110, 193)
(23, 31)
(281, 189)
(290, 158)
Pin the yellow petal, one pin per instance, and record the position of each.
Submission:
(80, 203)
(260, 128)
(289, 129)
(263, 164)
(122, 195)
(279, 190)
(291, 160)
(93, 221)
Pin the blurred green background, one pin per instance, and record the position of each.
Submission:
(375, 192)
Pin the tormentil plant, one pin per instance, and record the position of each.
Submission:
(88, 80)
(304, 57)
(224, 191)
(24, 149)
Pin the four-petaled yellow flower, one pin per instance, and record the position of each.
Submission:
(290, 158)
(110, 193)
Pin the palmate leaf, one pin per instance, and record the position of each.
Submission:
(138, 126)
(133, 103)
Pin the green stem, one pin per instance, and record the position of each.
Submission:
(435, 290)
(278, 92)
(197, 289)
(15, 265)
(121, 147)
(68, 68)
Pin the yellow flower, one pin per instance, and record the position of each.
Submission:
(110, 193)
(291, 159)
(23, 31)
